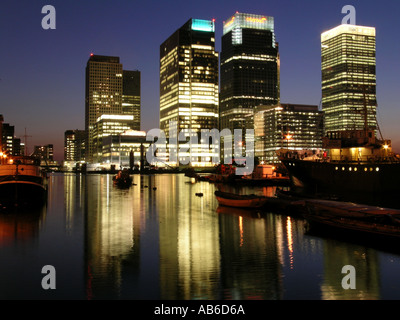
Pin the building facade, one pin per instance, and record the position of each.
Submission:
(249, 68)
(348, 63)
(131, 97)
(125, 150)
(286, 126)
(107, 125)
(10, 145)
(189, 81)
(74, 145)
(107, 93)
(44, 153)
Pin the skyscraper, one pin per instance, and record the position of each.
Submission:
(103, 93)
(108, 94)
(348, 66)
(131, 96)
(189, 78)
(249, 68)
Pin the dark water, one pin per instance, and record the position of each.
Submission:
(168, 243)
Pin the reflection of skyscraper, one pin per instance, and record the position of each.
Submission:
(349, 77)
(249, 68)
(189, 242)
(112, 239)
(243, 238)
(366, 263)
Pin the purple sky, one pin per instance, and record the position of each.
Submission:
(42, 72)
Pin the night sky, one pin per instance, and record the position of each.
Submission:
(42, 72)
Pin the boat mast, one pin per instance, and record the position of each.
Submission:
(26, 143)
(1, 132)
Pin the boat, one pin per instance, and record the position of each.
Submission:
(352, 217)
(22, 182)
(351, 163)
(122, 179)
(240, 201)
(348, 209)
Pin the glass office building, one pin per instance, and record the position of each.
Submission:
(108, 93)
(249, 68)
(131, 98)
(189, 82)
(348, 55)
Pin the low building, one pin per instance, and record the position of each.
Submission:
(109, 125)
(286, 126)
(125, 150)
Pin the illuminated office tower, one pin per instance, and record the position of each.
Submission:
(249, 68)
(189, 79)
(131, 96)
(108, 93)
(348, 55)
(103, 94)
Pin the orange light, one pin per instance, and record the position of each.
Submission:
(230, 22)
(241, 230)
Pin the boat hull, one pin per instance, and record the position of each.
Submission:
(22, 183)
(354, 226)
(238, 201)
(17, 193)
(344, 178)
(352, 218)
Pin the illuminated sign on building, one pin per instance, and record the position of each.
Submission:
(203, 25)
(262, 20)
(251, 21)
(350, 29)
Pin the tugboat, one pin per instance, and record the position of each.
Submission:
(22, 182)
(352, 162)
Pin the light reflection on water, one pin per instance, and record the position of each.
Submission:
(158, 240)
